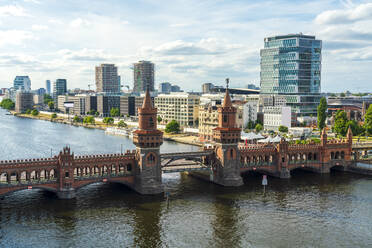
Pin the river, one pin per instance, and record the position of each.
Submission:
(308, 210)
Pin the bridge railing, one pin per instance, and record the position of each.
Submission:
(105, 175)
(14, 183)
(303, 162)
(255, 164)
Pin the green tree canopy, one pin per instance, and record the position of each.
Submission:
(28, 112)
(114, 112)
(159, 118)
(108, 120)
(368, 120)
(258, 127)
(34, 112)
(172, 127)
(7, 104)
(77, 119)
(121, 123)
(342, 94)
(47, 99)
(89, 120)
(356, 129)
(54, 115)
(51, 105)
(322, 115)
(250, 125)
(340, 123)
(283, 129)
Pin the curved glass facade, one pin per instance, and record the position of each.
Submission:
(291, 66)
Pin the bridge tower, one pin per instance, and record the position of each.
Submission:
(148, 140)
(282, 162)
(66, 174)
(226, 137)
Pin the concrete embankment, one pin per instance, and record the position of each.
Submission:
(361, 168)
(180, 138)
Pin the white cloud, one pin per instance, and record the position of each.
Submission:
(344, 16)
(14, 37)
(12, 10)
(79, 22)
(85, 55)
(32, 1)
(209, 46)
(39, 27)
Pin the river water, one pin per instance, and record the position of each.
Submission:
(308, 210)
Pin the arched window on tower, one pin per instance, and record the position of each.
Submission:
(151, 122)
(224, 118)
(151, 158)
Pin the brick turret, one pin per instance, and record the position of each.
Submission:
(148, 140)
(226, 137)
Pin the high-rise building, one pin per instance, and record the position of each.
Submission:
(107, 80)
(24, 101)
(291, 66)
(165, 87)
(47, 86)
(59, 88)
(22, 83)
(207, 87)
(143, 75)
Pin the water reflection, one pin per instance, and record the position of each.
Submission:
(308, 210)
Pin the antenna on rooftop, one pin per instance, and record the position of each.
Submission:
(227, 83)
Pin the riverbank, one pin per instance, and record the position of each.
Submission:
(179, 138)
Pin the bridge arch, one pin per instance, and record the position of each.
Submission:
(13, 190)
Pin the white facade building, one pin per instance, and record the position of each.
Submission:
(182, 107)
(277, 116)
(22, 83)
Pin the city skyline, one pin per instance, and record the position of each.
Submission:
(190, 44)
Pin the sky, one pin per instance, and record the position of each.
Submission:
(191, 42)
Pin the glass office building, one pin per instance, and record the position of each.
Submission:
(291, 66)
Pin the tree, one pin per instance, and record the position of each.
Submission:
(122, 124)
(7, 104)
(34, 112)
(160, 119)
(250, 125)
(258, 127)
(342, 94)
(340, 123)
(322, 115)
(89, 120)
(51, 105)
(54, 115)
(172, 127)
(28, 112)
(108, 120)
(368, 120)
(47, 99)
(96, 113)
(76, 119)
(114, 112)
(355, 128)
(283, 129)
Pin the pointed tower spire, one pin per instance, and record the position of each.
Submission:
(147, 103)
(227, 99)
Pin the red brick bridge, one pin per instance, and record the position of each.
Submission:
(142, 169)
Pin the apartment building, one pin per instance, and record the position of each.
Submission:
(182, 107)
